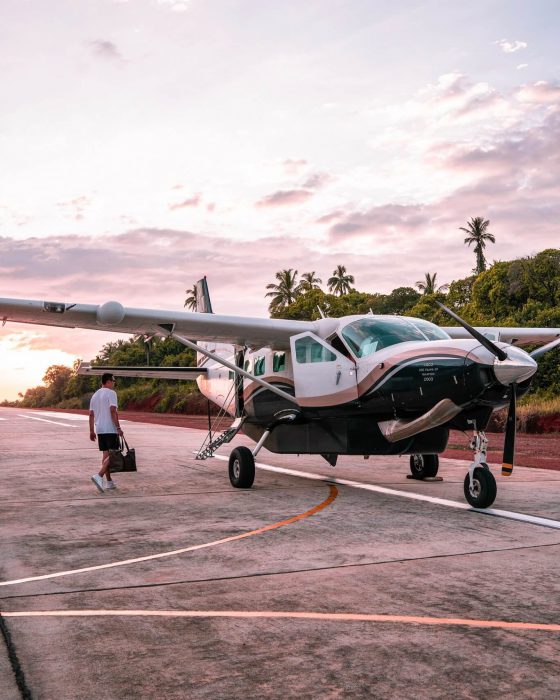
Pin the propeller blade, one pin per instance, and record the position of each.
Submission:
(482, 339)
(545, 348)
(509, 441)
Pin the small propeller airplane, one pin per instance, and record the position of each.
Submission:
(357, 385)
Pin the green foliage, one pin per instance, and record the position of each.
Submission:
(523, 292)
(477, 233)
(285, 291)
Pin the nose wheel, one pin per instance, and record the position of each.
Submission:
(480, 490)
(479, 485)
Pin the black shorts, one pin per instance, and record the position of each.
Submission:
(108, 441)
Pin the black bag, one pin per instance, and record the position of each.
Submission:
(129, 459)
(119, 462)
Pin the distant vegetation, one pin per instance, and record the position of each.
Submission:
(523, 292)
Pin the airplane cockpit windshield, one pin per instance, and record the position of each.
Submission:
(367, 335)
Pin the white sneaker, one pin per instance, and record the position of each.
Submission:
(110, 485)
(98, 481)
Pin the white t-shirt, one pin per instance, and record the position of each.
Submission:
(100, 404)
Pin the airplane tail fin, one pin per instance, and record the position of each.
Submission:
(203, 303)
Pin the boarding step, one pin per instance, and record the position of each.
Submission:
(226, 436)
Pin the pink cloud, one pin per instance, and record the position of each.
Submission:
(541, 92)
(377, 221)
(317, 180)
(193, 201)
(285, 198)
(105, 49)
(294, 166)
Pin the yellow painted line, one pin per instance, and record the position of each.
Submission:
(274, 614)
(333, 493)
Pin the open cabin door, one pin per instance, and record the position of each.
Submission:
(322, 375)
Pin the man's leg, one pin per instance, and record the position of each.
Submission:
(104, 472)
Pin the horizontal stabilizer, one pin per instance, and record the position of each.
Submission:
(395, 430)
(185, 373)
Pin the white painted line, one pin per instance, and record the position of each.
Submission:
(3, 419)
(56, 422)
(511, 515)
(65, 416)
(297, 615)
(265, 528)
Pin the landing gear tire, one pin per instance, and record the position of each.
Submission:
(422, 466)
(241, 468)
(483, 491)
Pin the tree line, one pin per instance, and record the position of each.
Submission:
(521, 292)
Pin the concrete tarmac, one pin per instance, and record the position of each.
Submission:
(176, 585)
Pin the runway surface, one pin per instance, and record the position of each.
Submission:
(318, 582)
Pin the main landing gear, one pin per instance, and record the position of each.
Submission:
(424, 466)
(480, 484)
(242, 459)
(241, 468)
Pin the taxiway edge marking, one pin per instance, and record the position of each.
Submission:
(510, 515)
(333, 493)
(45, 420)
(279, 614)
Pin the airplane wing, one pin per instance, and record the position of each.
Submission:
(113, 316)
(512, 336)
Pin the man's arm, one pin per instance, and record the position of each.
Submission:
(115, 417)
(92, 436)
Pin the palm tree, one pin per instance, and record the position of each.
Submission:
(478, 235)
(191, 300)
(428, 284)
(340, 283)
(309, 282)
(285, 292)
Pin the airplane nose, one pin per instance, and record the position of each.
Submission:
(517, 367)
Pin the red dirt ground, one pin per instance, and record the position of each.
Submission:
(540, 451)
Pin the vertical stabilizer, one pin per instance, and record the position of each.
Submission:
(203, 303)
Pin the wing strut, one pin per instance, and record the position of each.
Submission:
(232, 367)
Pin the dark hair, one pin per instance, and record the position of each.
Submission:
(107, 377)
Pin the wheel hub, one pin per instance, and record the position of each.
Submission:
(474, 488)
(236, 469)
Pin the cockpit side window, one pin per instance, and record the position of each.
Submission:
(366, 336)
(430, 330)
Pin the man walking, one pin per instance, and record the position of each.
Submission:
(104, 420)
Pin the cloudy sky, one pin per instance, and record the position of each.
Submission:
(145, 143)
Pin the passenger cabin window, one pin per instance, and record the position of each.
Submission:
(279, 362)
(309, 350)
(259, 366)
(366, 335)
(247, 365)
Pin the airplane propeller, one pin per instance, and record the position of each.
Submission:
(482, 339)
(509, 440)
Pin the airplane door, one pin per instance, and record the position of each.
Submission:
(322, 375)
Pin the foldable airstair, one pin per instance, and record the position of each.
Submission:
(209, 446)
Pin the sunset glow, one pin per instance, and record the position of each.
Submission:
(147, 143)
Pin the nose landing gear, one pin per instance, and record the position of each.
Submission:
(479, 485)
